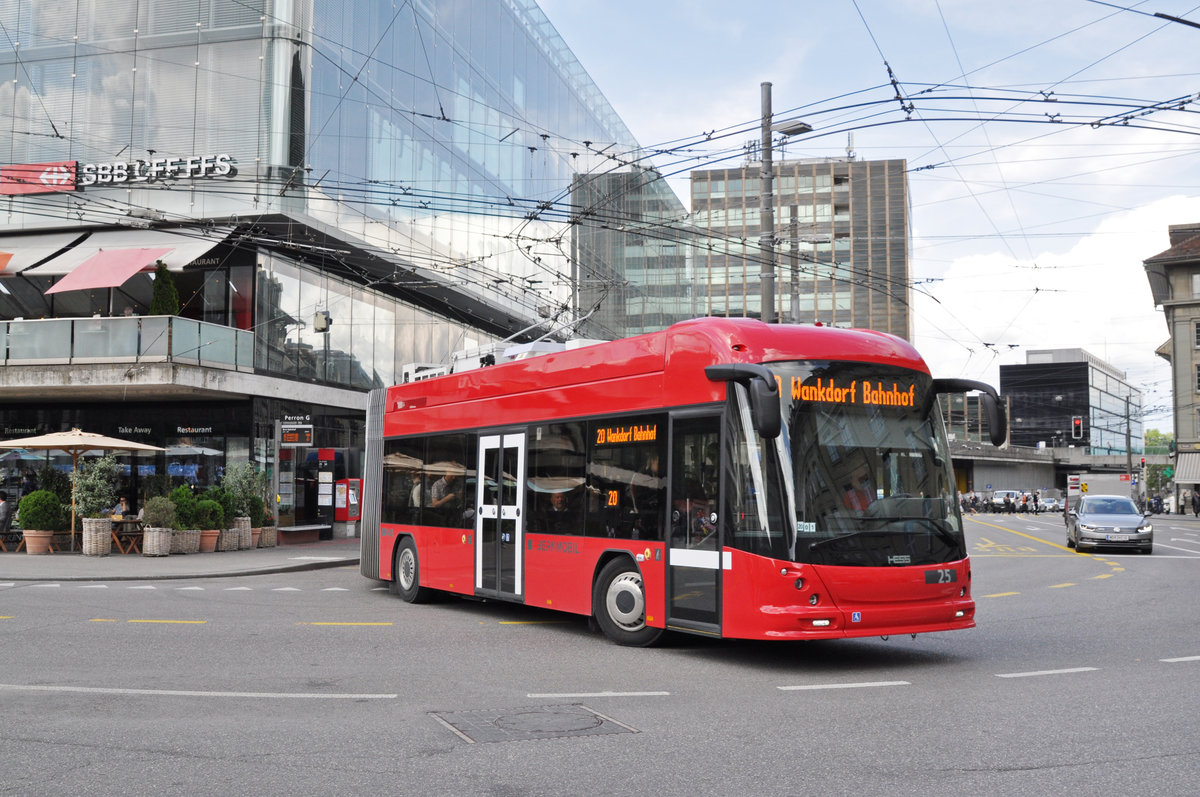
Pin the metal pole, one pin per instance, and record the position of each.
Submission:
(766, 243)
(1135, 490)
(794, 262)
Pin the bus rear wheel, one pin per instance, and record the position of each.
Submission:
(406, 574)
(619, 603)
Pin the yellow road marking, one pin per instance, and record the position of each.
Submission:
(1000, 594)
(7, 617)
(1029, 537)
(1060, 586)
(100, 620)
(1104, 575)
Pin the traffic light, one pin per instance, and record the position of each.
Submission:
(1077, 427)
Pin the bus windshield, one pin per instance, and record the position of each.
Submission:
(860, 475)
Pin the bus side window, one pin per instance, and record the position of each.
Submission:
(626, 489)
(556, 473)
(403, 461)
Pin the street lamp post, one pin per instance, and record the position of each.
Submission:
(766, 243)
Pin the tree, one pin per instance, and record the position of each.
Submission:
(165, 300)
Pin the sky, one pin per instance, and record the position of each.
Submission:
(1049, 143)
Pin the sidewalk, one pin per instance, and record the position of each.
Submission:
(66, 566)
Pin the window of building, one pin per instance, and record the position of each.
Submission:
(1196, 285)
(1196, 333)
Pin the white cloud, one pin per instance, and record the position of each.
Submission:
(1094, 296)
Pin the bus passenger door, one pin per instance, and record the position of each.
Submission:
(694, 546)
(499, 526)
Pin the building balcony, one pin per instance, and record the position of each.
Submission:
(136, 339)
(145, 358)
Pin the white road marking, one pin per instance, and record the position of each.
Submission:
(1044, 672)
(145, 586)
(844, 686)
(237, 589)
(1181, 658)
(335, 589)
(286, 589)
(45, 585)
(93, 586)
(189, 693)
(185, 589)
(566, 695)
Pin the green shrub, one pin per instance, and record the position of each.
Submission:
(41, 510)
(258, 510)
(96, 486)
(185, 508)
(224, 499)
(56, 481)
(243, 482)
(159, 512)
(164, 299)
(209, 514)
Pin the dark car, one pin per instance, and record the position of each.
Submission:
(1109, 521)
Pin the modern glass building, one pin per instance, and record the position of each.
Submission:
(1057, 386)
(843, 232)
(337, 189)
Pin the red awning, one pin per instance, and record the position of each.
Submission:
(107, 269)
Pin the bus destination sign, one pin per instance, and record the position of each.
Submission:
(867, 393)
(624, 435)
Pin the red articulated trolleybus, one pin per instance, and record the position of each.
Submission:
(723, 477)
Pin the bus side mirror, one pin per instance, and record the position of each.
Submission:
(763, 389)
(989, 399)
(764, 406)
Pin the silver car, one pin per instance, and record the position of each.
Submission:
(1109, 520)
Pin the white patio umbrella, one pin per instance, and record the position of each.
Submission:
(75, 443)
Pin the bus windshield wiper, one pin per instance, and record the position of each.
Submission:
(937, 526)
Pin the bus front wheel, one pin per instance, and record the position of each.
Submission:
(619, 603)
(406, 574)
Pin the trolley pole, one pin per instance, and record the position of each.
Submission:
(766, 243)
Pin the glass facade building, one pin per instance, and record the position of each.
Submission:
(1055, 387)
(357, 185)
(843, 232)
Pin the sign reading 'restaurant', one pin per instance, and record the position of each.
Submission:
(46, 178)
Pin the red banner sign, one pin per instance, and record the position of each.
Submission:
(37, 178)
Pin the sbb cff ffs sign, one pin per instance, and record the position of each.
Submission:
(295, 434)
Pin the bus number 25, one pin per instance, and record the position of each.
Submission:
(943, 575)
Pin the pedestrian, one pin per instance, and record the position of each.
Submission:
(6, 513)
(1196, 502)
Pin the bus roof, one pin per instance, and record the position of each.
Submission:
(647, 372)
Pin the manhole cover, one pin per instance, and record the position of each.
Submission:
(529, 723)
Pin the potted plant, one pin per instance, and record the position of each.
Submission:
(257, 511)
(269, 537)
(41, 514)
(95, 491)
(243, 483)
(159, 518)
(210, 518)
(185, 520)
(164, 300)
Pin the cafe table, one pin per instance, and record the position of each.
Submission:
(127, 535)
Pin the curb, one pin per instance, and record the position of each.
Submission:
(252, 571)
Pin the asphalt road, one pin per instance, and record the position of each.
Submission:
(1080, 678)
